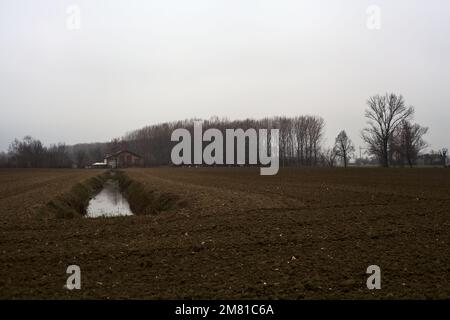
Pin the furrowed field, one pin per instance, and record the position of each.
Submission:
(304, 233)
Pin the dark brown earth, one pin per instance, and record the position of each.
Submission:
(304, 233)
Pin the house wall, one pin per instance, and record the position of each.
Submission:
(112, 162)
(125, 159)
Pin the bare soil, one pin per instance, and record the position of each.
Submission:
(302, 234)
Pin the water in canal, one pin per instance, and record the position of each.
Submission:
(109, 202)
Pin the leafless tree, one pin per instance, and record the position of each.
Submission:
(80, 158)
(384, 114)
(316, 131)
(443, 153)
(407, 143)
(344, 147)
(299, 128)
(4, 160)
(27, 153)
(31, 153)
(329, 157)
(57, 156)
(87, 153)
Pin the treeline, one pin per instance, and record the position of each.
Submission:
(391, 137)
(300, 143)
(300, 138)
(31, 153)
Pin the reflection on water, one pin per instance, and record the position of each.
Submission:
(109, 202)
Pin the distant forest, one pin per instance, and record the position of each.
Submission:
(392, 139)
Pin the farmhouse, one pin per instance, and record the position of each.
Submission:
(124, 159)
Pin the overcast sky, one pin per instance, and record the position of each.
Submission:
(135, 63)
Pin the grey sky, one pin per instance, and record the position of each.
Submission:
(135, 63)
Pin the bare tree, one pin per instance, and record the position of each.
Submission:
(57, 156)
(31, 153)
(407, 143)
(80, 158)
(384, 114)
(443, 153)
(284, 125)
(316, 135)
(27, 153)
(87, 153)
(4, 160)
(329, 157)
(300, 138)
(344, 147)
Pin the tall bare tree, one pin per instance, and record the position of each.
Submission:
(384, 114)
(344, 147)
